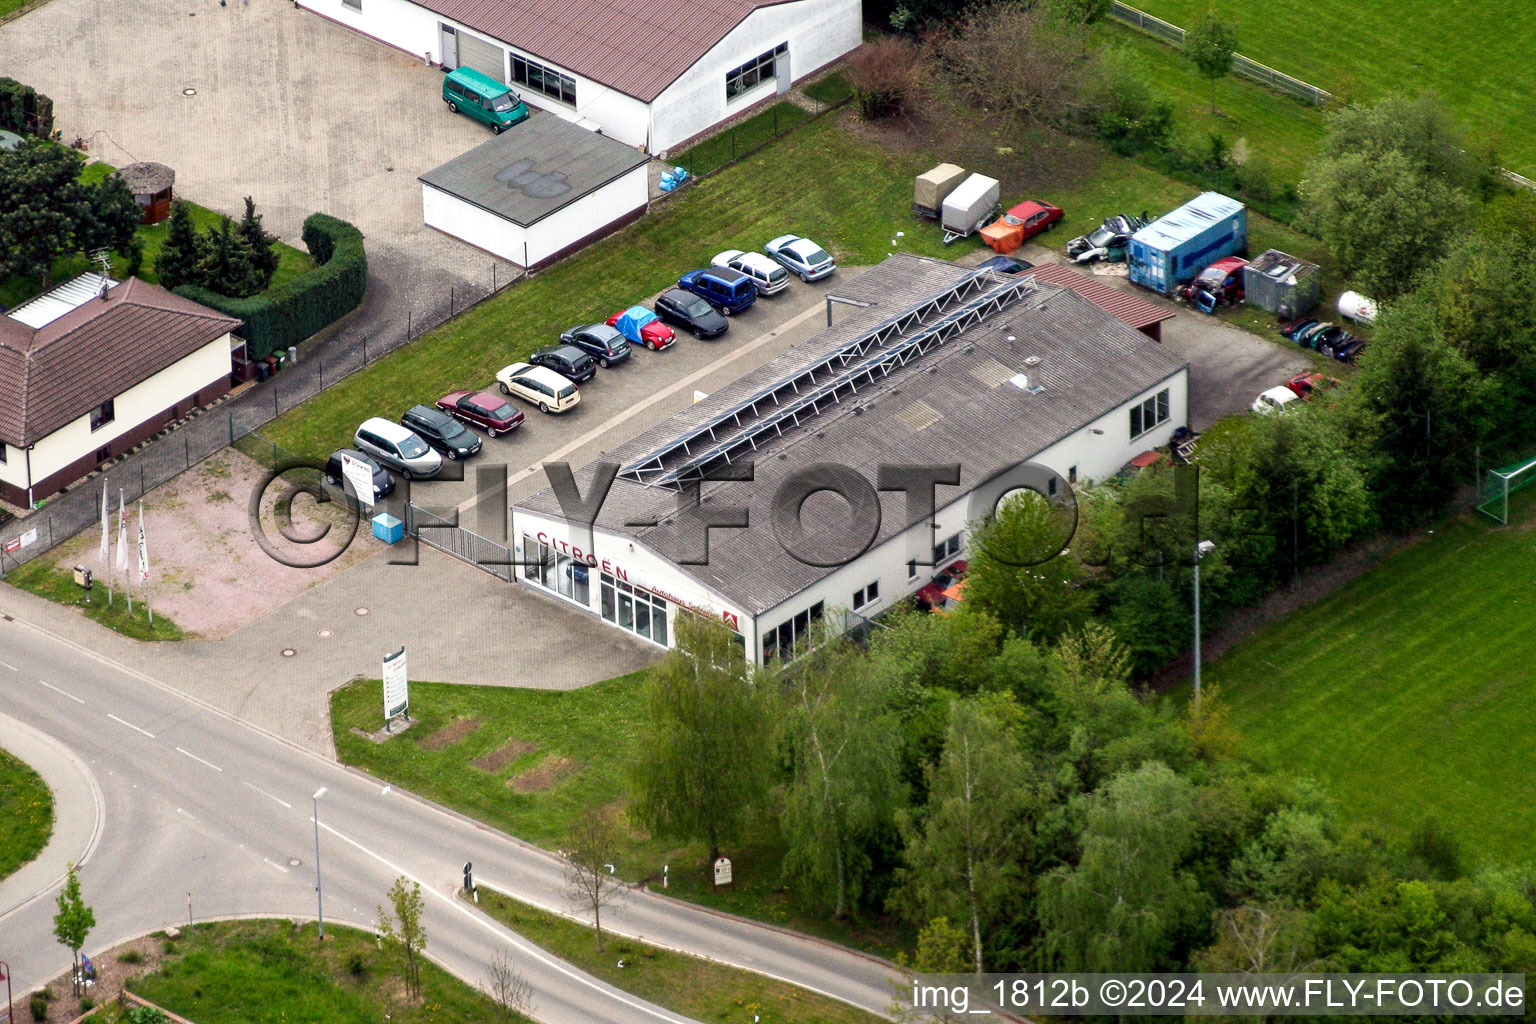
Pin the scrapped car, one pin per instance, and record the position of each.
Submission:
(545, 388)
(687, 310)
(1275, 400)
(1324, 337)
(1308, 383)
(1220, 284)
(801, 257)
(484, 409)
(1108, 241)
(567, 360)
(642, 327)
(1020, 224)
(770, 278)
(600, 341)
(1005, 265)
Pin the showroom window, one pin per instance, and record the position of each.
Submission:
(781, 642)
(634, 609)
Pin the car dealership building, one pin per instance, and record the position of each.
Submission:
(936, 365)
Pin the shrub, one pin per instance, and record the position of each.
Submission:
(288, 314)
(25, 110)
(131, 956)
(146, 1015)
(39, 1005)
(884, 76)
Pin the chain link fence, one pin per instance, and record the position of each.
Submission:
(235, 420)
(750, 135)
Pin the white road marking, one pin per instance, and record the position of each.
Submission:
(13, 668)
(510, 937)
(180, 811)
(278, 866)
(269, 796)
(199, 760)
(66, 693)
(130, 725)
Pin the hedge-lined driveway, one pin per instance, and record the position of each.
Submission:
(263, 99)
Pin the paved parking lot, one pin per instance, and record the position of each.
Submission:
(286, 107)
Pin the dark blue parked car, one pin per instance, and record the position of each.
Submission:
(729, 291)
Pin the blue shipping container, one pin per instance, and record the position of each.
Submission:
(1177, 246)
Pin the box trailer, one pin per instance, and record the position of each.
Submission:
(969, 206)
(1282, 284)
(931, 188)
(1174, 248)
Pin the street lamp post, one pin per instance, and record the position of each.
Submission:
(1202, 549)
(319, 894)
(5, 974)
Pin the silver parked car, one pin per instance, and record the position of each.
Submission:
(398, 448)
(803, 257)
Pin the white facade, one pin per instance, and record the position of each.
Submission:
(1095, 451)
(817, 32)
(530, 246)
(131, 409)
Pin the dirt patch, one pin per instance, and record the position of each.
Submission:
(451, 733)
(112, 973)
(504, 755)
(544, 775)
(208, 575)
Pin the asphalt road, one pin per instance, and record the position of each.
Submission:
(197, 802)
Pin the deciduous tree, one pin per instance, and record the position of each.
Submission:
(590, 854)
(402, 931)
(511, 990)
(705, 759)
(73, 922)
(1022, 571)
(1210, 47)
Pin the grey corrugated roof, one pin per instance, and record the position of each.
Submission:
(61, 371)
(638, 47)
(533, 169)
(952, 404)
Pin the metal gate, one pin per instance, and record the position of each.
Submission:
(433, 530)
(485, 57)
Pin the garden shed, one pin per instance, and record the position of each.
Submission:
(1282, 284)
(538, 191)
(151, 185)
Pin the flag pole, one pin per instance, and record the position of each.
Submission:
(106, 544)
(122, 548)
(144, 565)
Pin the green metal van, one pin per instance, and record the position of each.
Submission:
(488, 101)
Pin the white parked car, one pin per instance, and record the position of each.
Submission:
(545, 388)
(1275, 400)
(398, 448)
(803, 257)
(768, 276)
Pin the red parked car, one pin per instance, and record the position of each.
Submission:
(642, 328)
(482, 409)
(1220, 284)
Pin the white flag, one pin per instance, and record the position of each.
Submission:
(122, 535)
(143, 548)
(106, 544)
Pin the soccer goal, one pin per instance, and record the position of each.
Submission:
(1499, 484)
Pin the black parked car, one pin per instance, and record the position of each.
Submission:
(335, 474)
(567, 360)
(1005, 265)
(441, 431)
(599, 341)
(686, 310)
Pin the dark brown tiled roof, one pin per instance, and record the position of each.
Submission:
(638, 47)
(1133, 309)
(66, 368)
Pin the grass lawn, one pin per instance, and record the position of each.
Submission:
(566, 751)
(1280, 133)
(739, 138)
(15, 290)
(831, 89)
(41, 578)
(26, 814)
(707, 992)
(1364, 49)
(1407, 692)
(858, 203)
(262, 972)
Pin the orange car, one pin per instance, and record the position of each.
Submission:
(1020, 224)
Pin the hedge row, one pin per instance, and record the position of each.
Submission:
(284, 316)
(24, 110)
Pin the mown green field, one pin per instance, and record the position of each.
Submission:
(1475, 54)
(1408, 691)
(26, 814)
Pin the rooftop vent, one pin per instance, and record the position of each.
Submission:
(1022, 382)
(1032, 361)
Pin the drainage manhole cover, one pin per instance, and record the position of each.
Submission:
(294, 862)
(362, 611)
(289, 652)
(325, 632)
(189, 92)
